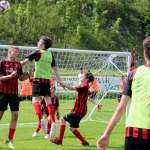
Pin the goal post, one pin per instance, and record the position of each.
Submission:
(107, 67)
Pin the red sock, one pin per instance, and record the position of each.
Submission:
(51, 112)
(38, 127)
(38, 111)
(79, 136)
(48, 127)
(61, 132)
(11, 134)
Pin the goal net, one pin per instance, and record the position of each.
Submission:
(107, 67)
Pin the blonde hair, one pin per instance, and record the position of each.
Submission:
(10, 49)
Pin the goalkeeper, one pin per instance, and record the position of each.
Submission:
(44, 64)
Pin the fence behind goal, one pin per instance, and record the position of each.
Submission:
(107, 67)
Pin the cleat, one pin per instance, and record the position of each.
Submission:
(85, 144)
(10, 144)
(46, 136)
(55, 141)
(34, 134)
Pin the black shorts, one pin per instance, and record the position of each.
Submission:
(10, 99)
(73, 120)
(40, 89)
(22, 98)
(119, 95)
(136, 144)
(92, 95)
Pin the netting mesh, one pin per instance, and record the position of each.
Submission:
(107, 67)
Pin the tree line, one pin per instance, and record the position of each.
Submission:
(116, 25)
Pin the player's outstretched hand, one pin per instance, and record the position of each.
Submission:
(102, 142)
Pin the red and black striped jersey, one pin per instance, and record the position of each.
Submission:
(10, 86)
(140, 133)
(80, 107)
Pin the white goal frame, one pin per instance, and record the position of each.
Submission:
(112, 56)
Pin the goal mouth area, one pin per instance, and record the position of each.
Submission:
(107, 67)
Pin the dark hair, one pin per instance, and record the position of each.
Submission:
(146, 44)
(47, 41)
(90, 77)
(81, 68)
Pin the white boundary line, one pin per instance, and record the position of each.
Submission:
(33, 124)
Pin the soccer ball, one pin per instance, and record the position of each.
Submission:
(4, 5)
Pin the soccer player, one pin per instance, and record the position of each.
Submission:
(78, 112)
(44, 64)
(137, 127)
(94, 87)
(10, 72)
(26, 88)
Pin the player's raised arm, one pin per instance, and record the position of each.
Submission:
(24, 62)
(67, 86)
(103, 141)
(56, 73)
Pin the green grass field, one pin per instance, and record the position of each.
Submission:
(90, 129)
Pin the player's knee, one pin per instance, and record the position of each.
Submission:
(72, 129)
(34, 100)
(14, 116)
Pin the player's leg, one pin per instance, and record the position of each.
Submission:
(51, 111)
(3, 104)
(14, 107)
(79, 136)
(74, 124)
(37, 108)
(61, 132)
(13, 124)
(48, 128)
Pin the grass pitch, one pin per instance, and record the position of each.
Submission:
(90, 129)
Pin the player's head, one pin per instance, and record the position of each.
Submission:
(13, 52)
(146, 46)
(44, 42)
(88, 77)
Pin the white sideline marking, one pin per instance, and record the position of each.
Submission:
(33, 124)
